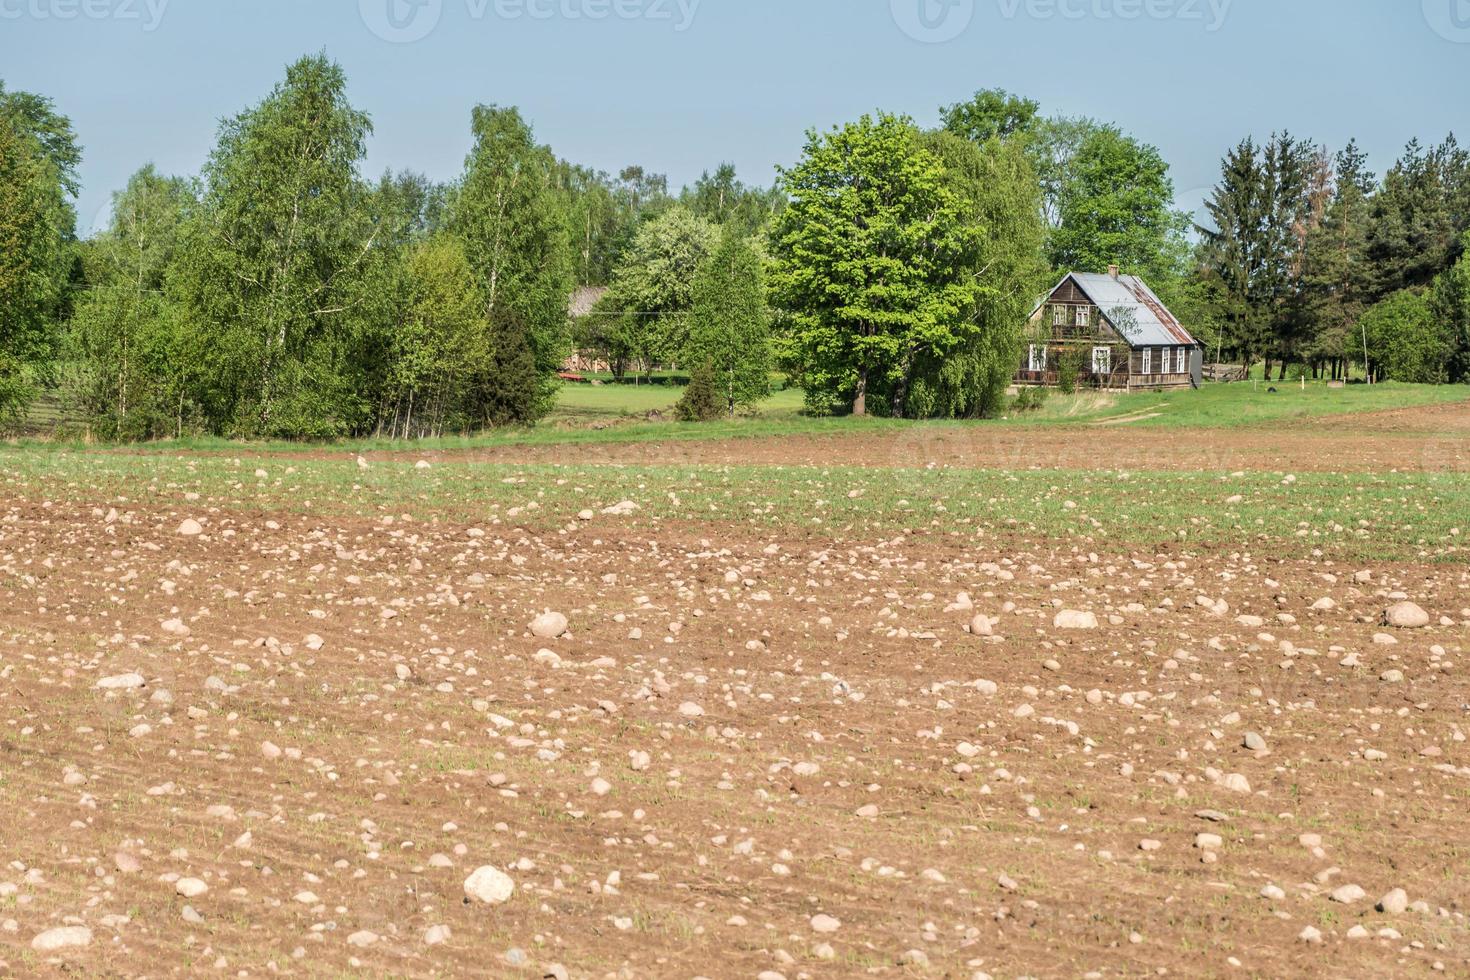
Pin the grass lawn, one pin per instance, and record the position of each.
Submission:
(1234, 405)
(591, 403)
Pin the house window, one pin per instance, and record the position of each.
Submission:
(1148, 360)
(1180, 367)
(1102, 360)
(1059, 316)
(1037, 359)
(1084, 316)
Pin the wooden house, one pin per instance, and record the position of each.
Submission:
(1108, 331)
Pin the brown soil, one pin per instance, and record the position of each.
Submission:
(832, 677)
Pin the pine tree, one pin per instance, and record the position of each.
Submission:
(1233, 249)
(1335, 270)
(1418, 216)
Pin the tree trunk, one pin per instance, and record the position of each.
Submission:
(860, 399)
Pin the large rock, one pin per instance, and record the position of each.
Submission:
(191, 528)
(1406, 616)
(490, 886)
(1071, 619)
(62, 937)
(549, 625)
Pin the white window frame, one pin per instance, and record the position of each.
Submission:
(1059, 316)
(1102, 361)
(1181, 364)
(1036, 358)
(1148, 360)
(1084, 316)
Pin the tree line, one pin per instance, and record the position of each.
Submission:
(890, 270)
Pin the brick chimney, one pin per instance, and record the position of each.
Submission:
(1113, 271)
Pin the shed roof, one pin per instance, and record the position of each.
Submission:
(1132, 308)
(584, 299)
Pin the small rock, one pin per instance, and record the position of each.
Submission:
(191, 528)
(1348, 894)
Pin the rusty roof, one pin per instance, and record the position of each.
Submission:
(1133, 309)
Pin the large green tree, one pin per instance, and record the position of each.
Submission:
(991, 114)
(276, 261)
(38, 160)
(1335, 287)
(730, 326)
(1418, 216)
(1450, 305)
(1117, 208)
(510, 213)
(996, 187)
(647, 307)
(1406, 341)
(128, 363)
(722, 199)
(438, 345)
(872, 263)
(1253, 243)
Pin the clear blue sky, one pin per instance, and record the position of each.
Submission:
(623, 83)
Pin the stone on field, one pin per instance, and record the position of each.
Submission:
(825, 924)
(122, 682)
(490, 886)
(1406, 616)
(549, 625)
(1395, 902)
(190, 887)
(63, 937)
(1072, 619)
(191, 528)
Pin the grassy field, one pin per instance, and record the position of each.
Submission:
(1214, 406)
(1398, 515)
(617, 413)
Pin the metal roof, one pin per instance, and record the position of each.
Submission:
(1132, 308)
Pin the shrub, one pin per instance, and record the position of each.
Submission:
(1030, 400)
(701, 401)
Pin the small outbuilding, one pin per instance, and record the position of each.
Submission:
(1108, 331)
